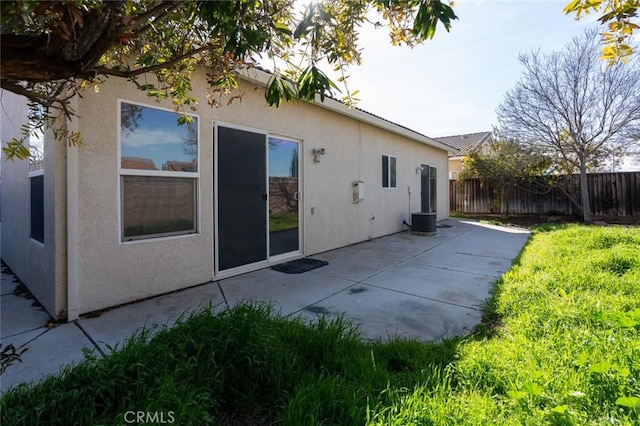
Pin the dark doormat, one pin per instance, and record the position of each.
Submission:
(299, 266)
(442, 225)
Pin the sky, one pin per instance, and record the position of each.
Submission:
(157, 136)
(454, 83)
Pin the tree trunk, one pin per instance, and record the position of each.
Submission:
(584, 193)
(50, 56)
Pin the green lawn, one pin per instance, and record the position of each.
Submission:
(560, 345)
(565, 349)
(283, 221)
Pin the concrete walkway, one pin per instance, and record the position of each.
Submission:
(405, 285)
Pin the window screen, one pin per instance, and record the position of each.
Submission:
(389, 171)
(37, 208)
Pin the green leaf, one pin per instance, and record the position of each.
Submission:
(16, 149)
(623, 371)
(314, 82)
(532, 388)
(635, 314)
(600, 367)
(282, 28)
(582, 359)
(278, 90)
(305, 26)
(625, 322)
(430, 12)
(184, 119)
(226, 81)
(517, 395)
(572, 6)
(628, 401)
(621, 319)
(88, 354)
(560, 409)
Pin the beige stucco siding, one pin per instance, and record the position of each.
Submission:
(39, 266)
(111, 272)
(455, 165)
(337, 221)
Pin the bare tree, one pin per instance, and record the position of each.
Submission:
(575, 107)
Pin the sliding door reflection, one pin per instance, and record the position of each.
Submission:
(284, 236)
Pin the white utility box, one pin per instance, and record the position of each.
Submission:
(358, 191)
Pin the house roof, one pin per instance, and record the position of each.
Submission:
(180, 166)
(464, 143)
(137, 163)
(260, 76)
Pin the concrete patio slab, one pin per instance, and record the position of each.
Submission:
(425, 288)
(456, 261)
(408, 240)
(457, 288)
(25, 316)
(381, 314)
(287, 292)
(48, 350)
(114, 326)
(8, 283)
(502, 245)
(353, 266)
(380, 249)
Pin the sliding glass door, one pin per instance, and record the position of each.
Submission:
(284, 227)
(257, 197)
(242, 198)
(428, 185)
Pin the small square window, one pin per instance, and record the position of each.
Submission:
(389, 171)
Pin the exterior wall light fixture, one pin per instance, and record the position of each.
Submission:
(317, 152)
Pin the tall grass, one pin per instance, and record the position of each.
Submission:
(567, 350)
(246, 365)
(560, 346)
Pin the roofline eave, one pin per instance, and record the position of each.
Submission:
(261, 77)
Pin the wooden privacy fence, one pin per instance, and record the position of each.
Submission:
(610, 194)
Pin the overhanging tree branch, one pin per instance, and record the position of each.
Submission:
(150, 69)
(48, 101)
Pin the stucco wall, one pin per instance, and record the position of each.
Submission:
(455, 165)
(34, 263)
(111, 272)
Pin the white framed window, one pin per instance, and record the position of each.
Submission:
(36, 206)
(36, 138)
(159, 172)
(36, 174)
(389, 171)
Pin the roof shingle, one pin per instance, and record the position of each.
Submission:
(465, 143)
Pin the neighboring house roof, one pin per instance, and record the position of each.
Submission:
(260, 76)
(137, 163)
(465, 143)
(180, 166)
